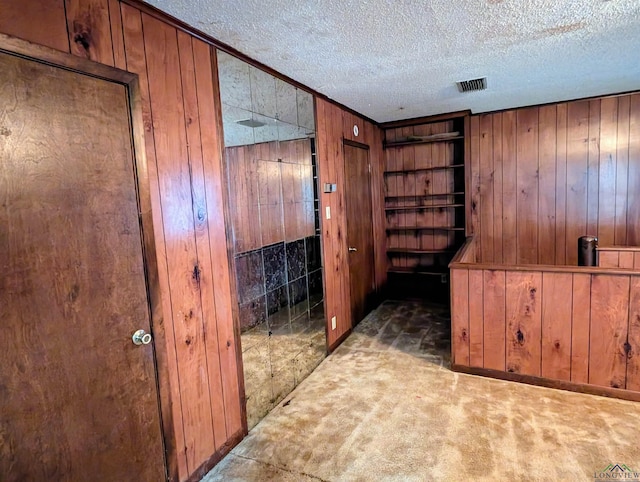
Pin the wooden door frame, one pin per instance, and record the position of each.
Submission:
(45, 55)
(366, 147)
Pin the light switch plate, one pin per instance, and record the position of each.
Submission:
(327, 211)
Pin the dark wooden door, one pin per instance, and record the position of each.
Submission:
(78, 400)
(359, 230)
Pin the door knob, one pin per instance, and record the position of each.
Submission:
(141, 337)
(352, 249)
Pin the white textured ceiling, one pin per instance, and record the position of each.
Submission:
(398, 59)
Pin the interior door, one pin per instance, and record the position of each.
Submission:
(78, 399)
(359, 230)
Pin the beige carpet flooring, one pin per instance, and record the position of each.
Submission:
(385, 407)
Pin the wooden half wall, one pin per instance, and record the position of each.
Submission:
(201, 405)
(543, 176)
(334, 125)
(576, 325)
(625, 257)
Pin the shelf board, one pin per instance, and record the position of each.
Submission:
(421, 141)
(424, 228)
(426, 196)
(419, 208)
(425, 270)
(419, 251)
(424, 169)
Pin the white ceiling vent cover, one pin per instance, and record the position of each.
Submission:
(472, 85)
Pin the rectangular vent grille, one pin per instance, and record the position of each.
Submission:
(472, 85)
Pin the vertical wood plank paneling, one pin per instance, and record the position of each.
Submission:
(498, 183)
(136, 62)
(175, 190)
(325, 168)
(625, 259)
(39, 21)
(474, 192)
(210, 359)
(468, 224)
(376, 158)
(608, 333)
(425, 184)
(227, 338)
(409, 217)
(547, 143)
(633, 201)
(527, 185)
(608, 259)
(494, 304)
(90, 30)
(608, 144)
(580, 328)
(509, 183)
(486, 188)
(331, 169)
(622, 171)
(476, 318)
(117, 36)
(561, 186)
(460, 317)
(593, 164)
(439, 183)
(581, 167)
(557, 306)
(345, 322)
(523, 314)
(577, 155)
(401, 185)
(633, 356)
(111, 33)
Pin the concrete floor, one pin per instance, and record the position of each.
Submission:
(384, 406)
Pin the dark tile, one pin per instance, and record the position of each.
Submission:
(298, 297)
(277, 300)
(274, 266)
(296, 263)
(253, 313)
(314, 259)
(250, 276)
(315, 287)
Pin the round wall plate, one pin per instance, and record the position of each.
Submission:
(355, 130)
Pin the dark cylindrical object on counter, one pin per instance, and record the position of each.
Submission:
(587, 254)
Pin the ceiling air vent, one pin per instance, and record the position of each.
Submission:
(472, 85)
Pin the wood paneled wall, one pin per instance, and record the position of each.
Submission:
(619, 257)
(544, 176)
(575, 326)
(333, 126)
(271, 193)
(180, 104)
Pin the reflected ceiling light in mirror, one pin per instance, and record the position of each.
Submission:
(250, 123)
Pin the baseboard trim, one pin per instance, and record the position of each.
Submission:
(201, 471)
(337, 343)
(550, 383)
